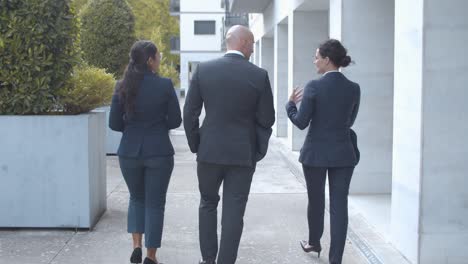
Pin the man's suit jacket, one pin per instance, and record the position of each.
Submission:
(146, 130)
(329, 106)
(239, 110)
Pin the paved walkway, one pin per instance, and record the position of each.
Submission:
(274, 223)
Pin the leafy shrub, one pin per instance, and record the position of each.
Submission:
(78, 4)
(154, 22)
(37, 53)
(107, 34)
(88, 88)
(166, 69)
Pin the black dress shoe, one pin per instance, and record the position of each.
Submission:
(150, 261)
(206, 262)
(308, 248)
(136, 256)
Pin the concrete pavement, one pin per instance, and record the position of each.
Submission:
(274, 223)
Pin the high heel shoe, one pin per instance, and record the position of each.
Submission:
(136, 256)
(308, 248)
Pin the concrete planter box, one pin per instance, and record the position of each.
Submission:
(112, 137)
(52, 170)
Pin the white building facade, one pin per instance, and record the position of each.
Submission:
(411, 64)
(201, 30)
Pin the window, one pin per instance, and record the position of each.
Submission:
(205, 27)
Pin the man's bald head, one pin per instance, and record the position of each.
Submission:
(240, 38)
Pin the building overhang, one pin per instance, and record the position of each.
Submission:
(248, 6)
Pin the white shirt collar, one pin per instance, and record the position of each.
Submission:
(235, 52)
(330, 71)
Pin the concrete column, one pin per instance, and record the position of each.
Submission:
(267, 57)
(366, 29)
(184, 69)
(257, 53)
(281, 79)
(306, 30)
(430, 146)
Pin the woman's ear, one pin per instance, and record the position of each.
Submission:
(150, 61)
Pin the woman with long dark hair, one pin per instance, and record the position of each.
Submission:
(329, 107)
(145, 107)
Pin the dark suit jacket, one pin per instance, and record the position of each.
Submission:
(239, 112)
(146, 130)
(330, 105)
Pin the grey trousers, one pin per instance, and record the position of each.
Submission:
(147, 181)
(236, 188)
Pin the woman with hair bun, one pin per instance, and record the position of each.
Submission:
(329, 107)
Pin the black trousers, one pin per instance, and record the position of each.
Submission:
(236, 188)
(338, 181)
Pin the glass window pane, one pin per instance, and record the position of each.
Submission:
(205, 27)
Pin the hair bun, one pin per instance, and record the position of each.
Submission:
(345, 61)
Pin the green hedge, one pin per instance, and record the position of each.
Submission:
(107, 34)
(37, 53)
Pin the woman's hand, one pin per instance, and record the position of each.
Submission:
(296, 95)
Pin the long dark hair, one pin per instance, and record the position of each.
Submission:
(140, 52)
(334, 50)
